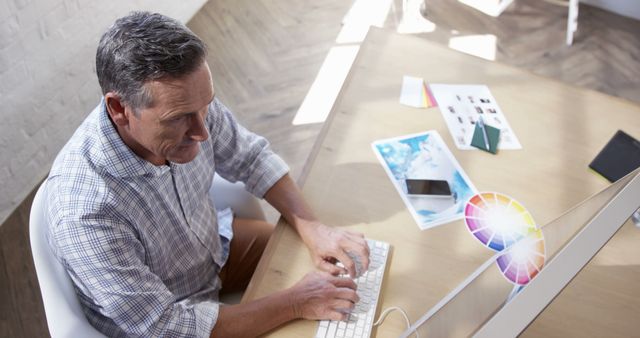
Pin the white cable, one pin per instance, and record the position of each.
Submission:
(388, 310)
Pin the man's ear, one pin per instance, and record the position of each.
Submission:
(116, 108)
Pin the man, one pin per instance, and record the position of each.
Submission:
(130, 217)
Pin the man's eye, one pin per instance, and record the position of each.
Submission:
(178, 118)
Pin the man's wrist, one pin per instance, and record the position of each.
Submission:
(295, 307)
(306, 229)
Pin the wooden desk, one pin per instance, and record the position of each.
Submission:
(561, 129)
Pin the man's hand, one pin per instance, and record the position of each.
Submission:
(328, 245)
(331, 245)
(318, 296)
(321, 296)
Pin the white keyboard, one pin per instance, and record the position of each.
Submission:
(360, 321)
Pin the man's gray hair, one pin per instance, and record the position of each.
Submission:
(142, 47)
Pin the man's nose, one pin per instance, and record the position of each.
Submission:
(197, 130)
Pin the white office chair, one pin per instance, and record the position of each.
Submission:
(234, 195)
(62, 308)
(64, 315)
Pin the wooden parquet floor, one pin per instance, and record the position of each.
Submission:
(265, 54)
(605, 55)
(264, 57)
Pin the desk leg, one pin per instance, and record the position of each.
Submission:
(572, 20)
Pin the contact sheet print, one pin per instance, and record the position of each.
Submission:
(462, 106)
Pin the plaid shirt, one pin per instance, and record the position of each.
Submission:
(142, 243)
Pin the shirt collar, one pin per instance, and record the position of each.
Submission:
(118, 159)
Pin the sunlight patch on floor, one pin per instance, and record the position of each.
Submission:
(323, 92)
(363, 14)
(483, 46)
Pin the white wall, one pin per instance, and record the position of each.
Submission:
(47, 79)
(630, 8)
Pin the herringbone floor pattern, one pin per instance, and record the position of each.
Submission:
(264, 57)
(265, 54)
(605, 55)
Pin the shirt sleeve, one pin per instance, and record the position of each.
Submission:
(241, 155)
(106, 260)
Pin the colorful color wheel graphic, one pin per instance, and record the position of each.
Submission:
(504, 225)
(497, 220)
(524, 259)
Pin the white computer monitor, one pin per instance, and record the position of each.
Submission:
(484, 306)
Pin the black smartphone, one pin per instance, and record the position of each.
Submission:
(428, 187)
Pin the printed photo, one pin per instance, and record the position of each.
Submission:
(427, 176)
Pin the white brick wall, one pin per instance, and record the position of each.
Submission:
(47, 79)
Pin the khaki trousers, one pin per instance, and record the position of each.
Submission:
(250, 237)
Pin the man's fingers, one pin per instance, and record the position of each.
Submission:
(338, 315)
(348, 263)
(358, 259)
(362, 249)
(345, 288)
(348, 248)
(347, 295)
(343, 305)
(330, 268)
(344, 302)
(364, 258)
(355, 261)
(344, 283)
(327, 297)
(357, 249)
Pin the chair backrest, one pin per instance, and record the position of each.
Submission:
(226, 194)
(64, 314)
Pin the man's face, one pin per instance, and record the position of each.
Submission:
(172, 127)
